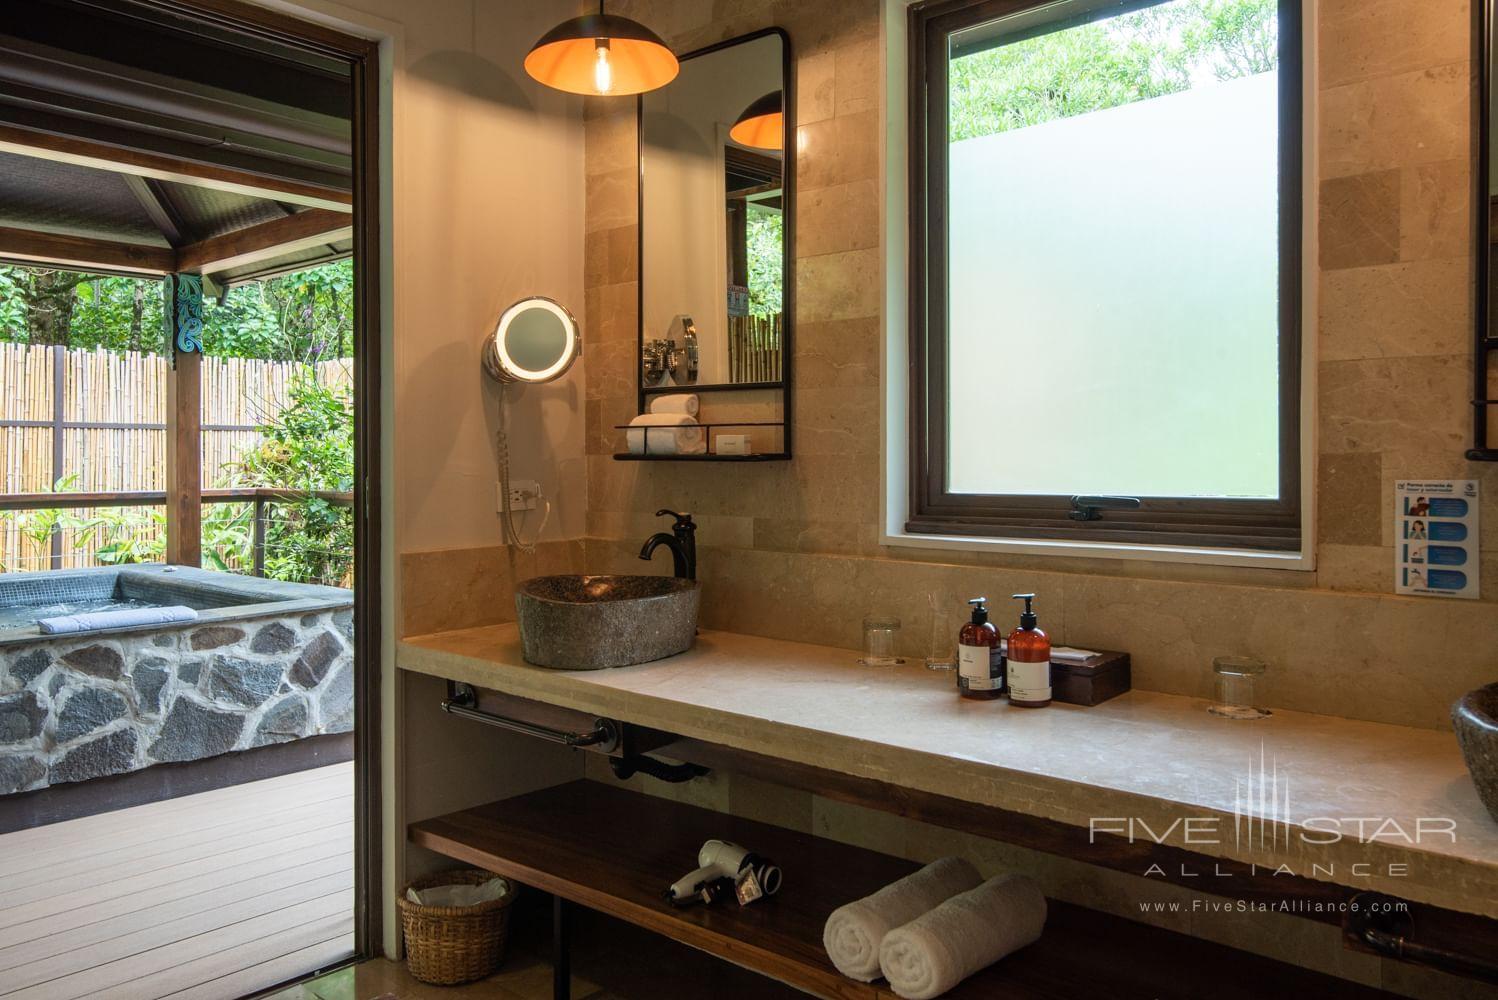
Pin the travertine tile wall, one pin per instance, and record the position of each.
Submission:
(451, 589)
(792, 550)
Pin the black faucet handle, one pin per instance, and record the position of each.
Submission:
(682, 520)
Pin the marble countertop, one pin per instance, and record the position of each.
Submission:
(1357, 803)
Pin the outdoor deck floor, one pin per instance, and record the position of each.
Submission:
(215, 895)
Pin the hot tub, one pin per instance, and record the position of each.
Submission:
(265, 662)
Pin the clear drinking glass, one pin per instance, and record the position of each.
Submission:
(1233, 683)
(941, 650)
(879, 634)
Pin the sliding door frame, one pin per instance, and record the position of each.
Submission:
(363, 58)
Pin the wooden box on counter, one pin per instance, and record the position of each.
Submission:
(1091, 681)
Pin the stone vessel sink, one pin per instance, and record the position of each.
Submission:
(590, 622)
(1475, 717)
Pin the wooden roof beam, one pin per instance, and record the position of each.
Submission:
(267, 241)
(100, 156)
(84, 253)
(156, 207)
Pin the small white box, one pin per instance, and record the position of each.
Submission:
(732, 444)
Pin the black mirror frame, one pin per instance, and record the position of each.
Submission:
(788, 290)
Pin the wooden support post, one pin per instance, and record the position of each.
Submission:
(258, 565)
(184, 417)
(59, 354)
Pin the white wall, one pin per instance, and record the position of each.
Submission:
(483, 205)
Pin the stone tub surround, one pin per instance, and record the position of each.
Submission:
(1153, 757)
(217, 597)
(80, 707)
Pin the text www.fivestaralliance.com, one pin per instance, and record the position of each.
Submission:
(1291, 906)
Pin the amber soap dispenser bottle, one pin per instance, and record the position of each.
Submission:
(1029, 660)
(980, 663)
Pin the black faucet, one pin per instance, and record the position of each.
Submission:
(682, 542)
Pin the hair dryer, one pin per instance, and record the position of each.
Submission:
(719, 860)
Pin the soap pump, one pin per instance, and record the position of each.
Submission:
(980, 661)
(1029, 660)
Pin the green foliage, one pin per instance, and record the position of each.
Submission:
(12, 304)
(1090, 67)
(306, 316)
(766, 258)
(1237, 37)
(38, 526)
(118, 314)
(126, 542)
(123, 535)
(310, 447)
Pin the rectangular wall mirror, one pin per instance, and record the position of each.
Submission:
(716, 237)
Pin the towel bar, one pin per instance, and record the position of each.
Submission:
(1377, 922)
(461, 699)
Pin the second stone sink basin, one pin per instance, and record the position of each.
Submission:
(1475, 718)
(590, 622)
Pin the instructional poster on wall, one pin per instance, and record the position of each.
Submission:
(1436, 538)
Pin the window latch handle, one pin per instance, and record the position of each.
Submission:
(1090, 508)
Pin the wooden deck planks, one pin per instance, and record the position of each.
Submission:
(212, 895)
(198, 900)
(184, 813)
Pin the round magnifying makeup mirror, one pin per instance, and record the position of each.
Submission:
(536, 340)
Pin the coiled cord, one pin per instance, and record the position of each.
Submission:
(507, 513)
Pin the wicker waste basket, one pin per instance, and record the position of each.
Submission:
(446, 945)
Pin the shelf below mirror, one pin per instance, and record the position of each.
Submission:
(707, 438)
(767, 457)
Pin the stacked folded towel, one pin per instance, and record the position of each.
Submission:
(670, 428)
(970, 931)
(683, 402)
(855, 931)
(931, 930)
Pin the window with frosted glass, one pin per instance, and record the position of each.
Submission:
(1111, 260)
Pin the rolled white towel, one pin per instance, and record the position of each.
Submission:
(94, 621)
(941, 948)
(670, 434)
(676, 402)
(854, 930)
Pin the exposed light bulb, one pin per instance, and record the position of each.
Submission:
(603, 71)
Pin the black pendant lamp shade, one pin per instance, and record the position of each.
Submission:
(762, 125)
(602, 55)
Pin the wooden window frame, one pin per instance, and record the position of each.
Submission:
(1208, 523)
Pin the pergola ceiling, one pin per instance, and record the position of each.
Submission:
(53, 197)
(61, 198)
(146, 147)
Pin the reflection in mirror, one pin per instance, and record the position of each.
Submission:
(712, 233)
(535, 340)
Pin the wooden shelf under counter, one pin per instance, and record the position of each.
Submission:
(615, 851)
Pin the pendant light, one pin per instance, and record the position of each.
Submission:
(762, 125)
(602, 55)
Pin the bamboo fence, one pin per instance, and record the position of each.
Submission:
(754, 348)
(96, 421)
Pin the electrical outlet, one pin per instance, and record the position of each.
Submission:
(525, 494)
